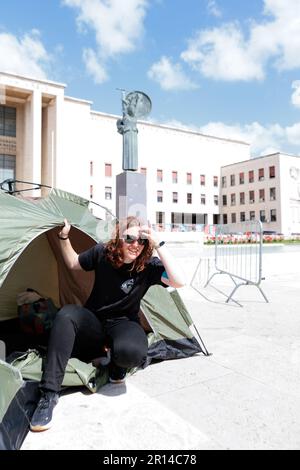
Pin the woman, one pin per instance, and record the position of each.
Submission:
(124, 270)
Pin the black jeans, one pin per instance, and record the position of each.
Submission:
(77, 332)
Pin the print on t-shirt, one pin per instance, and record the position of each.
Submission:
(127, 286)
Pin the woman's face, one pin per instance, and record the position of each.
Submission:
(133, 244)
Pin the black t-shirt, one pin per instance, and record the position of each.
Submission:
(118, 291)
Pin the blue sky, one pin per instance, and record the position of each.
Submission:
(222, 67)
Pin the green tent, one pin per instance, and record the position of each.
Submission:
(30, 258)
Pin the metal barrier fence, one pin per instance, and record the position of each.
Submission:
(238, 253)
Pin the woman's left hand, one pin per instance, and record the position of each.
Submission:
(147, 232)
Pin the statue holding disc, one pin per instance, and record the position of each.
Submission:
(135, 105)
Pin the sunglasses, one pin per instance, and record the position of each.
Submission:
(130, 239)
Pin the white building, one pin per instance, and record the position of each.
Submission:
(266, 188)
(49, 138)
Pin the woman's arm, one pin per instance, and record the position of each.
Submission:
(176, 277)
(69, 254)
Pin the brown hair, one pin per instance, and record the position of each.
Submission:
(114, 251)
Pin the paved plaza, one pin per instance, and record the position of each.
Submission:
(246, 395)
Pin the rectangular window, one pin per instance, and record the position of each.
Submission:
(144, 171)
(224, 182)
(233, 218)
(273, 215)
(8, 121)
(251, 176)
(159, 196)
(7, 167)
(232, 199)
(251, 197)
(91, 168)
(189, 198)
(252, 215)
(261, 195)
(272, 194)
(232, 180)
(272, 171)
(108, 170)
(189, 178)
(203, 199)
(174, 177)
(261, 174)
(262, 216)
(175, 197)
(224, 200)
(216, 200)
(216, 181)
(91, 191)
(242, 178)
(159, 174)
(242, 216)
(225, 219)
(160, 217)
(108, 193)
(242, 198)
(202, 180)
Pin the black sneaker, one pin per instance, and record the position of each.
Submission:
(117, 374)
(42, 417)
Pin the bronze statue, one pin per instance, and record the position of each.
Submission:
(134, 105)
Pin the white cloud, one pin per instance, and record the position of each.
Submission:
(118, 27)
(213, 8)
(295, 99)
(25, 55)
(227, 53)
(170, 76)
(94, 67)
(262, 139)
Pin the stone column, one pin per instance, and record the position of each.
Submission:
(33, 138)
(131, 195)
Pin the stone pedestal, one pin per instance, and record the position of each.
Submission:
(131, 196)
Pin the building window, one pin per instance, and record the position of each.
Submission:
(144, 171)
(233, 218)
(91, 168)
(159, 176)
(242, 198)
(232, 180)
(232, 199)
(159, 196)
(261, 174)
(160, 217)
(174, 177)
(202, 180)
(216, 200)
(252, 215)
(242, 178)
(225, 219)
(216, 181)
(251, 197)
(272, 194)
(108, 170)
(272, 171)
(189, 178)
(262, 216)
(7, 167)
(189, 198)
(203, 199)
(224, 182)
(224, 200)
(242, 216)
(7, 121)
(273, 215)
(251, 176)
(175, 197)
(261, 195)
(91, 191)
(108, 193)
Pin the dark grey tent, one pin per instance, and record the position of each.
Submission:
(30, 257)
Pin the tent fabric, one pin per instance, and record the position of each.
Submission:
(30, 257)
